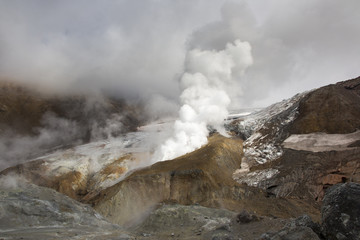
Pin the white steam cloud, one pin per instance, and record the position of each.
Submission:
(204, 98)
(137, 49)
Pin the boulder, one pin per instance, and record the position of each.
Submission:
(22, 109)
(341, 212)
(302, 228)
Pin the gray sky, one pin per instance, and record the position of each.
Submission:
(139, 47)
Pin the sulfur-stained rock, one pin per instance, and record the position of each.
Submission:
(202, 177)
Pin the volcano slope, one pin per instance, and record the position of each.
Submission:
(308, 146)
(22, 109)
(203, 177)
(33, 123)
(32, 212)
(292, 152)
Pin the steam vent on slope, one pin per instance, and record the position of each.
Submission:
(267, 178)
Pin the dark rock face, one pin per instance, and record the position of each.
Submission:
(246, 217)
(33, 124)
(302, 228)
(331, 109)
(341, 212)
(24, 110)
(308, 174)
(294, 233)
(305, 173)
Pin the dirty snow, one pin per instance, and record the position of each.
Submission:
(135, 148)
(255, 178)
(264, 148)
(263, 142)
(321, 142)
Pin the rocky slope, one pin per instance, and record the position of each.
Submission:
(33, 123)
(308, 146)
(278, 164)
(32, 212)
(84, 170)
(202, 177)
(197, 222)
(23, 109)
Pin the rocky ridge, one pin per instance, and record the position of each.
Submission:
(291, 154)
(316, 143)
(202, 177)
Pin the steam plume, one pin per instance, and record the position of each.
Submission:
(204, 97)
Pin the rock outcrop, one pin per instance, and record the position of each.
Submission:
(28, 211)
(202, 177)
(22, 110)
(330, 109)
(341, 212)
(33, 124)
(302, 228)
(292, 153)
(82, 170)
(307, 175)
(196, 222)
(308, 146)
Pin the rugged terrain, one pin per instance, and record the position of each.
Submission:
(308, 146)
(33, 124)
(32, 212)
(277, 166)
(23, 109)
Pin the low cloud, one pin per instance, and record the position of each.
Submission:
(159, 51)
(296, 46)
(137, 48)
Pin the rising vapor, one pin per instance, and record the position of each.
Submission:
(204, 98)
(154, 51)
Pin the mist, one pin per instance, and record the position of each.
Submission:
(127, 47)
(157, 52)
(137, 49)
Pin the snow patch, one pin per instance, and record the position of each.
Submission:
(321, 142)
(255, 178)
(263, 148)
(125, 153)
(264, 131)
